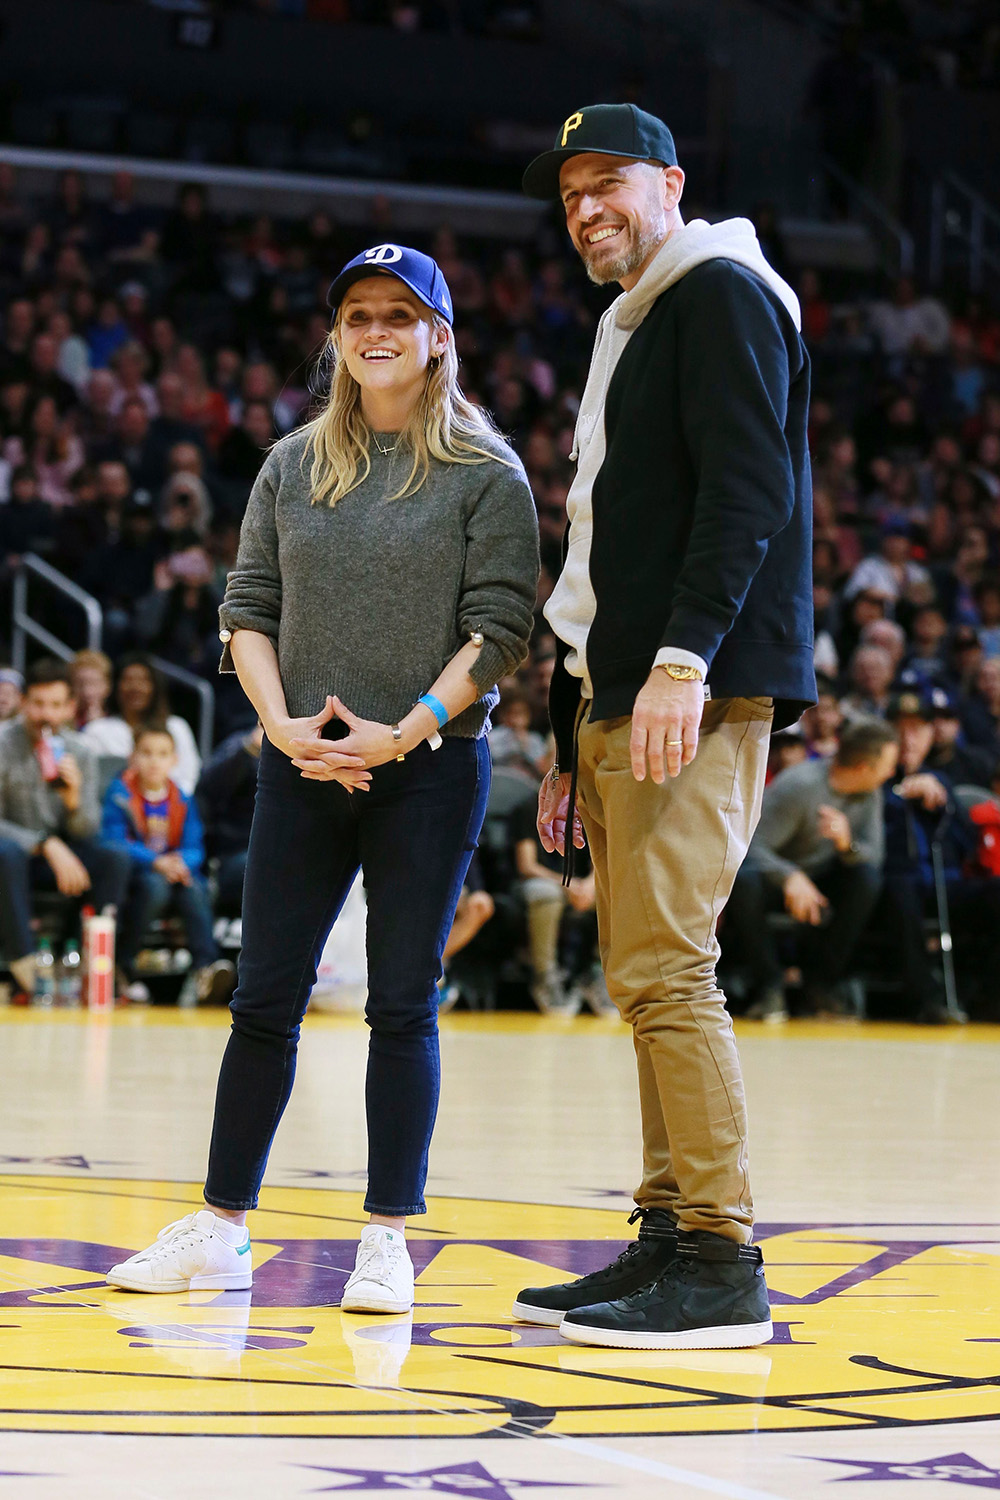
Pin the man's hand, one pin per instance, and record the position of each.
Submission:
(553, 810)
(582, 893)
(803, 900)
(70, 782)
(924, 788)
(832, 824)
(665, 723)
(70, 871)
(172, 867)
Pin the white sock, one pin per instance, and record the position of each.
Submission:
(233, 1234)
(391, 1234)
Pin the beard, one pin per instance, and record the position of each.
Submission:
(643, 240)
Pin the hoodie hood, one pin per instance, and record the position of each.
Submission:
(732, 239)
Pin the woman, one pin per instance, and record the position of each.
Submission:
(92, 675)
(140, 695)
(384, 583)
(53, 451)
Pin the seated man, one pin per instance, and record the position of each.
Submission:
(48, 816)
(149, 820)
(817, 853)
(919, 813)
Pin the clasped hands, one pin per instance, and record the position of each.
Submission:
(348, 760)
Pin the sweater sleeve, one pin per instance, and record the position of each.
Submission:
(253, 589)
(780, 817)
(500, 579)
(867, 834)
(734, 375)
(84, 823)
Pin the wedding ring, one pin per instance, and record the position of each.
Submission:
(673, 742)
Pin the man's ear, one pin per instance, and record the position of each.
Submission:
(673, 187)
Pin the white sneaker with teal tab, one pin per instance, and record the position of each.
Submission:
(382, 1279)
(199, 1252)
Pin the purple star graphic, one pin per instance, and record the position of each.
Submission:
(454, 1479)
(952, 1468)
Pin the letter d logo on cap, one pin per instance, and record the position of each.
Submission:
(573, 123)
(381, 255)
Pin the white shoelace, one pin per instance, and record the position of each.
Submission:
(168, 1239)
(378, 1257)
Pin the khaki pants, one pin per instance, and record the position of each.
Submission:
(665, 858)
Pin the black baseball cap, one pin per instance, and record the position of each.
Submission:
(611, 129)
(412, 267)
(911, 705)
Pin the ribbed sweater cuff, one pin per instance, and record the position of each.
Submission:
(489, 666)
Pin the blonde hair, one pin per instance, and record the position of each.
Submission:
(95, 659)
(443, 425)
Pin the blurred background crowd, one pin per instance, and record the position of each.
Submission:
(150, 353)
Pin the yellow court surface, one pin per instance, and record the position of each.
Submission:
(877, 1180)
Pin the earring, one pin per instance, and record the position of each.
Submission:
(434, 361)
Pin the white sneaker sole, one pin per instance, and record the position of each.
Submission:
(371, 1302)
(222, 1281)
(547, 1316)
(732, 1336)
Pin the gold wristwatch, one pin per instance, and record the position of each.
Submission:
(681, 674)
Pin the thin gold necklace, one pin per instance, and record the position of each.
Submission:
(385, 451)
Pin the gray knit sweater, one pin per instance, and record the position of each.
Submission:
(372, 597)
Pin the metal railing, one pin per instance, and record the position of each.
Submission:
(896, 243)
(23, 624)
(206, 700)
(963, 220)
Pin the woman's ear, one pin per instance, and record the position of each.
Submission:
(440, 339)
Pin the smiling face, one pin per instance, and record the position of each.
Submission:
(618, 213)
(387, 336)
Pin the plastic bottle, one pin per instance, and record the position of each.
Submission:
(70, 978)
(45, 975)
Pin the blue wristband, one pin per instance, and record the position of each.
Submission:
(436, 707)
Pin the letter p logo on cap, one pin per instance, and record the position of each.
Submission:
(573, 123)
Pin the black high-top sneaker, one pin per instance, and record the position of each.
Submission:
(712, 1296)
(638, 1265)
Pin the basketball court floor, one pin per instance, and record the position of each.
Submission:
(877, 1179)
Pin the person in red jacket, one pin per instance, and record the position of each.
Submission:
(148, 816)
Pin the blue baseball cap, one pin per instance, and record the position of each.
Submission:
(414, 269)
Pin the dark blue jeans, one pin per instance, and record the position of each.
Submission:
(412, 835)
(21, 873)
(151, 896)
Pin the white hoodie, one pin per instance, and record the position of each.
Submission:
(572, 606)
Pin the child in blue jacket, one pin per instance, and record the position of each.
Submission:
(149, 817)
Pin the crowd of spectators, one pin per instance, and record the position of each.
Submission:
(147, 360)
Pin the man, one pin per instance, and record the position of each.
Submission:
(687, 559)
(962, 763)
(49, 816)
(817, 853)
(920, 810)
(870, 673)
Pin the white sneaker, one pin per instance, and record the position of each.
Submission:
(199, 1251)
(382, 1279)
